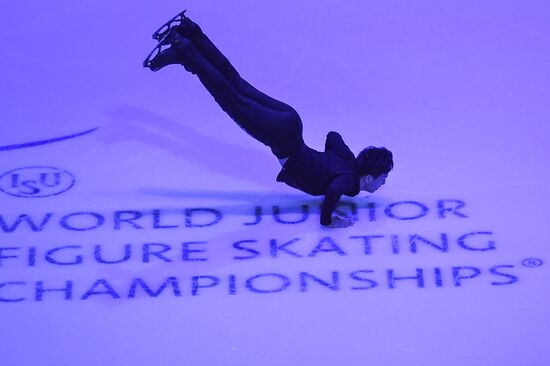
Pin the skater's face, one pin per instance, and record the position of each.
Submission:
(371, 184)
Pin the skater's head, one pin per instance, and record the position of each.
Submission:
(374, 164)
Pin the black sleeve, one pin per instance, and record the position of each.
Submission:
(335, 143)
(339, 186)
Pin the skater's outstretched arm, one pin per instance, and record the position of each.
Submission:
(338, 187)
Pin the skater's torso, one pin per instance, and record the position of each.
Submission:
(313, 171)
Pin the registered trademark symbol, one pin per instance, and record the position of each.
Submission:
(532, 262)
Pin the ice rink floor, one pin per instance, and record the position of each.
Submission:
(140, 226)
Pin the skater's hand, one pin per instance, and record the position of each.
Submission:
(340, 221)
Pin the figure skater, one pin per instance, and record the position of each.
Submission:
(332, 173)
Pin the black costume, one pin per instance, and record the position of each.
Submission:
(331, 173)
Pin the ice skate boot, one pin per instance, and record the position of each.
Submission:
(172, 49)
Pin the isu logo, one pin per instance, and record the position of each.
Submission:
(36, 182)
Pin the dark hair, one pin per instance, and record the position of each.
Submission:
(374, 161)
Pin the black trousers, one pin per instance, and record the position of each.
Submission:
(266, 119)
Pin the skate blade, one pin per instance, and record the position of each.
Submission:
(164, 43)
(165, 28)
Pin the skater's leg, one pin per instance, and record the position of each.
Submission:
(280, 130)
(209, 51)
(251, 92)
